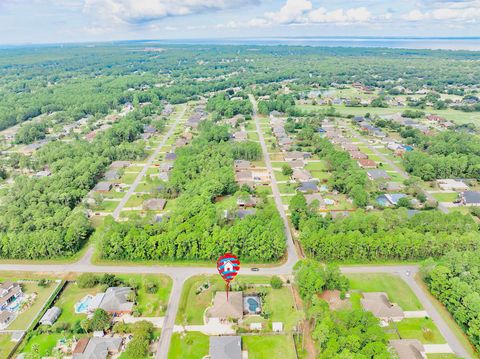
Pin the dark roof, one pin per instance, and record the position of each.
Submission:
(170, 156)
(226, 347)
(309, 186)
(471, 197)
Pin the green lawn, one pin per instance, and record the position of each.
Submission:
(316, 166)
(71, 295)
(193, 345)
(192, 306)
(135, 200)
(422, 329)
(106, 206)
(445, 197)
(269, 346)
(6, 345)
(43, 344)
(128, 178)
(279, 176)
(22, 322)
(287, 187)
(397, 290)
(281, 305)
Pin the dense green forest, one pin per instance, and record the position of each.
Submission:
(455, 281)
(448, 154)
(197, 228)
(40, 217)
(387, 235)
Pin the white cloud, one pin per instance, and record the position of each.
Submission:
(139, 11)
(292, 11)
(461, 11)
(340, 16)
(415, 15)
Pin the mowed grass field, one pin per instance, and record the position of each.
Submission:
(192, 345)
(269, 346)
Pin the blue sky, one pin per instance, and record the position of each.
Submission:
(51, 21)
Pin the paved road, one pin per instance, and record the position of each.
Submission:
(153, 156)
(292, 254)
(401, 172)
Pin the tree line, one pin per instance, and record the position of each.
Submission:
(455, 281)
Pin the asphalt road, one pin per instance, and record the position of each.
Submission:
(153, 156)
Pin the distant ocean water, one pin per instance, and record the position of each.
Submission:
(432, 43)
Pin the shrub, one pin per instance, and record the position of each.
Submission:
(276, 282)
(87, 280)
(151, 286)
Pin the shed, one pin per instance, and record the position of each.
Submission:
(277, 326)
(50, 316)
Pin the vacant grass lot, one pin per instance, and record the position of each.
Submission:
(422, 329)
(267, 347)
(193, 345)
(445, 197)
(398, 291)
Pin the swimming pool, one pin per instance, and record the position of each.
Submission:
(82, 306)
(252, 305)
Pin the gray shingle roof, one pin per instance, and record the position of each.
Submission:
(226, 347)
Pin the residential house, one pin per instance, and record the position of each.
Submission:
(367, 163)
(111, 175)
(261, 177)
(102, 187)
(470, 198)
(452, 185)
(120, 164)
(377, 175)
(301, 175)
(380, 306)
(244, 177)
(170, 156)
(240, 136)
(358, 155)
(9, 292)
(242, 213)
(246, 201)
(350, 147)
(115, 301)
(294, 156)
(408, 349)
(389, 200)
(97, 348)
(223, 309)
(225, 347)
(241, 165)
(154, 204)
(296, 164)
(50, 316)
(392, 187)
(308, 187)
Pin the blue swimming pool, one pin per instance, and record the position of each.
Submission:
(82, 306)
(252, 304)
